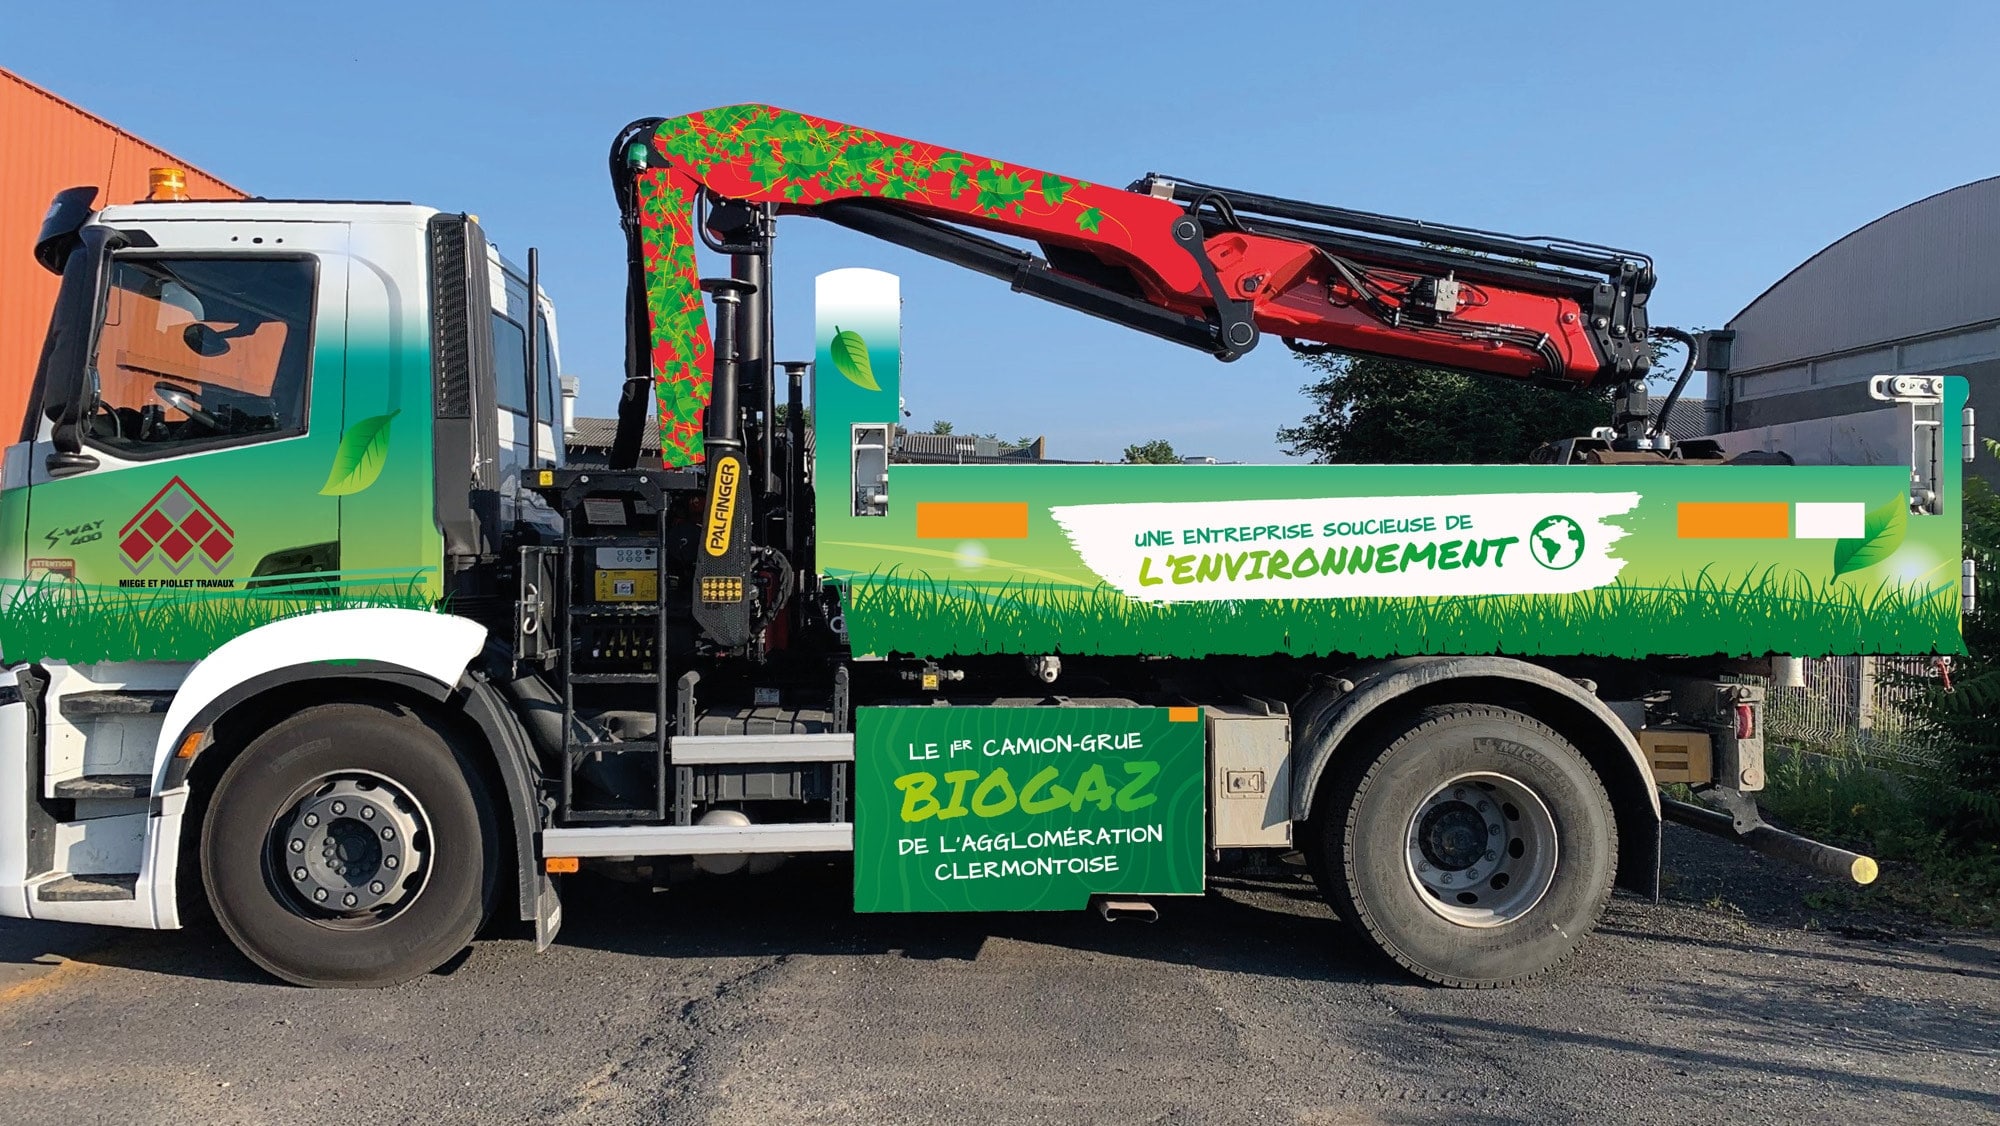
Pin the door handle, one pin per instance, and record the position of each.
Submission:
(63, 464)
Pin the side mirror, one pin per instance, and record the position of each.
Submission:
(203, 340)
(63, 464)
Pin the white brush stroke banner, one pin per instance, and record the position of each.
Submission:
(1477, 544)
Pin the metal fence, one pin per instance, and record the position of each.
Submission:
(1864, 704)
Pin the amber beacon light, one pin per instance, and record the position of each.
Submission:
(165, 184)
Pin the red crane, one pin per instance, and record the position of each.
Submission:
(1213, 268)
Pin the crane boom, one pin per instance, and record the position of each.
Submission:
(1209, 267)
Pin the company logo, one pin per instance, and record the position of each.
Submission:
(722, 506)
(1556, 542)
(176, 527)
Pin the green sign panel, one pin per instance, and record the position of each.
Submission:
(1025, 809)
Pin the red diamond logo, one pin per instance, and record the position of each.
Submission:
(170, 525)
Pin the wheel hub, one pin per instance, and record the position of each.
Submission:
(1482, 849)
(353, 846)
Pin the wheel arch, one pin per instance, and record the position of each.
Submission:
(424, 661)
(1335, 718)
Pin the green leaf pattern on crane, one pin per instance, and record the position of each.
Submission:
(795, 159)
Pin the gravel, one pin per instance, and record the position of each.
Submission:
(766, 1001)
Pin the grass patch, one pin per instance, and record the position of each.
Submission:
(1897, 818)
(55, 618)
(1771, 611)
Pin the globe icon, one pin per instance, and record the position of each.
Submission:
(1556, 542)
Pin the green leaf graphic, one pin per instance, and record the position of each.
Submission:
(1088, 218)
(1883, 534)
(850, 356)
(364, 449)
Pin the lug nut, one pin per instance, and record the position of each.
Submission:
(298, 873)
(350, 900)
(340, 807)
(368, 813)
(376, 887)
(298, 845)
(312, 819)
(319, 894)
(388, 834)
(390, 862)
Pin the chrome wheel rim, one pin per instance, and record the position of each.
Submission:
(1482, 849)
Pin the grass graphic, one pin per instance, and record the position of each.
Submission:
(1766, 612)
(56, 618)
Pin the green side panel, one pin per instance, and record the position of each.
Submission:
(1304, 560)
(857, 380)
(1025, 809)
(261, 519)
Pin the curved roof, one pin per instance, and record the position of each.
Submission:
(1927, 268)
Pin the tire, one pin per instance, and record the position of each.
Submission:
(422, 868)
(1409, 857)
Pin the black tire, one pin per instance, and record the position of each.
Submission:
(274, 923)
(1366, 830)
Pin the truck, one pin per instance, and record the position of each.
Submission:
(309, 626)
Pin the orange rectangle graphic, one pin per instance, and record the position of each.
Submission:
(1734, 520)
(972, 520)
(1183, 715)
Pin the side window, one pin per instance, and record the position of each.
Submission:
(545, 367)
(510, 371)
(197, 352)
(510, 364)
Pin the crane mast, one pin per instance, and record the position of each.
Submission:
(1209, 267)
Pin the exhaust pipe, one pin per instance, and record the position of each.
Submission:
(1771, 841)
(1112, 910)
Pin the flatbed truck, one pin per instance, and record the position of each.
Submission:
(308, 625)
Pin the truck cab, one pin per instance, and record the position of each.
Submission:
(243, 412)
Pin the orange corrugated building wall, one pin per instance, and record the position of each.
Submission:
(46, 145)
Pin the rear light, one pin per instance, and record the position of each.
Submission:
(1746, 721)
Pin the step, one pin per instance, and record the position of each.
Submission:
(613, 541)
(619, 816)
(89, 889)
(105, 787)
(613, 746)
(614, 678)
(78, 705)
(698, 840)
(641, 610)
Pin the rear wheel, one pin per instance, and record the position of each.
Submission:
(351, 845)
(1477, 848)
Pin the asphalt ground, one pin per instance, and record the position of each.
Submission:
(768, 1001)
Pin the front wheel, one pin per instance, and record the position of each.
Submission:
(351, 845)
(1476, 848)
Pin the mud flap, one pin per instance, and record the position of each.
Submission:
(548, 912)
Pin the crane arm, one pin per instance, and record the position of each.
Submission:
(1212, 268)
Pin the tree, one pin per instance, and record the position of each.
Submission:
(1962, 720)
(1372, 410)
(940, 427)
(1156, 452)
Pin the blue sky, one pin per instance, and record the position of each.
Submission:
(1730, 141)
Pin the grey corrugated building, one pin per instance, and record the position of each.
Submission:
(1915, 292)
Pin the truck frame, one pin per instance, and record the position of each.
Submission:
(306, 618)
